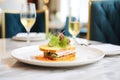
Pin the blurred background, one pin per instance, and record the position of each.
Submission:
(58, 11)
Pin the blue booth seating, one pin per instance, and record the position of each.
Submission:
(105, 21)
(13, 24)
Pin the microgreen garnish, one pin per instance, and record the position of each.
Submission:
(58, 40)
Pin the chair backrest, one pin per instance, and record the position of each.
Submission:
(12, 25)
(104, 21)
(42, 17)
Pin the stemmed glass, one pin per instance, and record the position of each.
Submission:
(74, 23)
(28, 17)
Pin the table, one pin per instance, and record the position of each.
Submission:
(11, 69)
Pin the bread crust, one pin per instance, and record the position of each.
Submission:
(46, 48)
(54, 50)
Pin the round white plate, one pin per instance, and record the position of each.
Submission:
(33, 36)
(84, 55)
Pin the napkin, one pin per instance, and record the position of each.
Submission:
(30, 35)
(79, 41)
(33, 36)
(108, 49)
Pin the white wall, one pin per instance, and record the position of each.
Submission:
(83, 5)
(11, 4)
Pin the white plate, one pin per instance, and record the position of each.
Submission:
(33, 36)
(85, 55)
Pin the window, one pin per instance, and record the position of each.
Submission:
(83, 4)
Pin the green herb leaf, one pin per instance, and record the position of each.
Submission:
(53, 41)
(63, 43)
(57, 40)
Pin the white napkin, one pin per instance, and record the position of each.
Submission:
(33, 36)
(79, 40)
(108, 49)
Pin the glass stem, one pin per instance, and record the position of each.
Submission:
(74, 39)
(28, 38)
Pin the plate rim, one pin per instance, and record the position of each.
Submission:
(24, 39)
(49, 64)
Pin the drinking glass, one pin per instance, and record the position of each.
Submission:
(28, 17)
(74, 23)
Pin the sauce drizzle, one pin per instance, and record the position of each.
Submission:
(42, 58)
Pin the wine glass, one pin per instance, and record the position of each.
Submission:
(28, 17)
(74, 24)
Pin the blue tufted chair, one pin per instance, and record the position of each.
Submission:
(41, 24)
(12, 24)
(105, 21)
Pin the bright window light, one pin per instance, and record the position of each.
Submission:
(82, 4)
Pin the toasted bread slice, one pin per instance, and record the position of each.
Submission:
(46, 48)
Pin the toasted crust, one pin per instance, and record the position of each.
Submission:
(46, 48)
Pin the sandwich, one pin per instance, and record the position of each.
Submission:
(58, 53)
(58, 48)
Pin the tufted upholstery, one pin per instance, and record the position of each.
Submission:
(14, 26)
(105, 21)
(39, 25)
